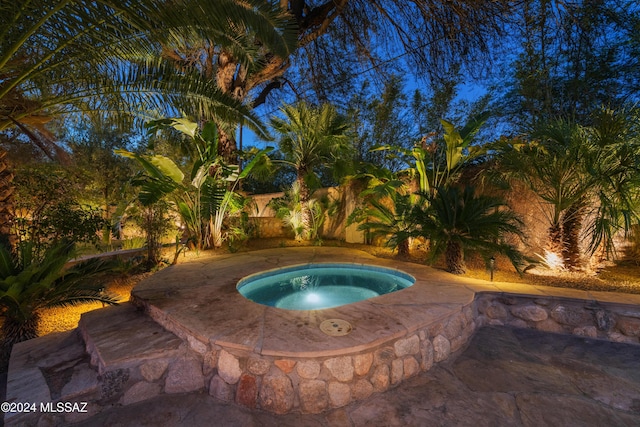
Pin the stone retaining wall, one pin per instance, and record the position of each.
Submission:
(312, 385)
(283, 385)
(609, 321)
(315, 384)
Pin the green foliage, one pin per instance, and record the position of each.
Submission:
(47, 71)
(437, 162)
(291, 208)
(31, 282)
(206, 200)
(456, 220)
(313, 138)
(588, 175)
(47, 209)
(573, 57)
(385, 212)
(153, 219)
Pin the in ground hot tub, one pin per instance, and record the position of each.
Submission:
(323, 285)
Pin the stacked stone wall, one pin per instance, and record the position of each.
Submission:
(313, 385)
(613, 322)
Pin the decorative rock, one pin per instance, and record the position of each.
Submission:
(405, 347)
(605, 321)
(313, 396)
(362, 389)
(308, 369)
(410, 366)
(210, 362)
(247, 392)
(153, 369)
(380, 378)
(113, 382)
(508, 300)
(586, 331)
(276, 394)
(519, 323)
(340, 367)
(196, 345)
(618, 337)
(285, 365)
(140, 391)
(339, 394)
(482, 303)
(549, 325)
(426, 353)
(441, 348)
(229, 367)
(219, 389)
(362, 363)
(530, 312)
(185, 375)
(84, 380)
(571, 316)
(258, 366)
(396, 371)
(496, 311)
(435, 329)
(629, 326)
(495, 322)
(383, 355)
(542, 301)
(453, 326)
(457, 343)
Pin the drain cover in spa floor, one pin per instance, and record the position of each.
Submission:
(335, 327)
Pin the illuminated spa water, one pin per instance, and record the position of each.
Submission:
(317, 286)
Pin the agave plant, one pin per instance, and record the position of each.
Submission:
(456, 220)
(29, 284)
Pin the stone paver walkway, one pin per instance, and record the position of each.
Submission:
(506, 377)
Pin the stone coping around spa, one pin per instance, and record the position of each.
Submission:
(199, 300)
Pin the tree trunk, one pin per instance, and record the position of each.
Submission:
(6, 202)
(305, 212)
(571, 227)
(403, 248)
(555, 246)
(455, 258)
(225, 80)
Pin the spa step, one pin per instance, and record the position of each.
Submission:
(121, 336)
(52, 368)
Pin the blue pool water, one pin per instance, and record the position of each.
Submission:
(317, 286)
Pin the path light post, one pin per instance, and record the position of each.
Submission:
(492, 264)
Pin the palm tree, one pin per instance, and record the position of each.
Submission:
(456, 220)
(29, 284)
(312, 138)
(583, 173)
(386, 210)
(105, 56)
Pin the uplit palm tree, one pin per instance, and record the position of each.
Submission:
(456, 220)
(588, 176)
(312, 138)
